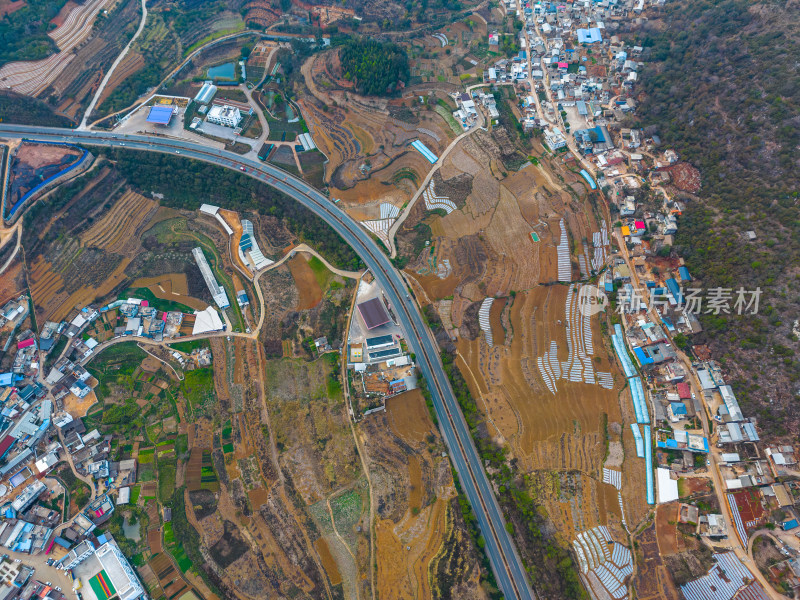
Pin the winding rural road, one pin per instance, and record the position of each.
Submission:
(122, 55)
(503, 556)
(425, 182)
(145, 99)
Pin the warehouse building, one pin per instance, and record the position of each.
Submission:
(373, 313)
(217, 291)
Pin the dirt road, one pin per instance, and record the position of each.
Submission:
(121, 56)
(404, 215)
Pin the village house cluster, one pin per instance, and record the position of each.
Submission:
(34, 440)
(574, 80)
(38, 435)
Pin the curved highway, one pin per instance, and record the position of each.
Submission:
(505, 561)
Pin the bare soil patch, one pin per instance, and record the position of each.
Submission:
(309, 292)
(328, 561)
(666, 529)
(408, 417)
(78, 407)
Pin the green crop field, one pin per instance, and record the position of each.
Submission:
(187, 347)
(166, 480)
(198, 387)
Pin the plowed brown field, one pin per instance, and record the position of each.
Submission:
(114, 231)
(309, 292)
(321, 546)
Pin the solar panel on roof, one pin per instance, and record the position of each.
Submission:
(384, 353)
(380, 340)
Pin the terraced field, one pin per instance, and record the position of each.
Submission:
(120, 224)
(32, 77)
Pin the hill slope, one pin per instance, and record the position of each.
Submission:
(724, 89)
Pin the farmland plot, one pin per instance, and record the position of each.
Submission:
(121, 224)
(32, 77)
(418, 530)
(538, 369)
(252, 533)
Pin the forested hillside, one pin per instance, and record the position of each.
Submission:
(722, 85)
(375, 67)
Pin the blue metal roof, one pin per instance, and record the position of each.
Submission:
(675, 290)
(160, 115)
(642, 357)
(684, 274)
(589, 36)
(678, 408)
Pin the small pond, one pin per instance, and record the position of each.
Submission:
(224, 71)
(131, 530)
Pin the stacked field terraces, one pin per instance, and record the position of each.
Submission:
(605, 563)
(564, 263)
(583, 261)
(444, 268)
(612, 477)
(380, 227)
(429, 133)
(389, 211)
(723, 581)
(601, 247)
(578, 367)
(484, 322)
(33, 77)
(606, 380)
(432, 201)
(441, 37)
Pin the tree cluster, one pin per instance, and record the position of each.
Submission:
(188, 183)
(376, 68)
(23, 33)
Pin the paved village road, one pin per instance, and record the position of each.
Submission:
(503, 557)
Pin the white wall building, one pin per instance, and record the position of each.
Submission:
(229, 116)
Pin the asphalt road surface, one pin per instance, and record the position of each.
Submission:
(505, 561)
